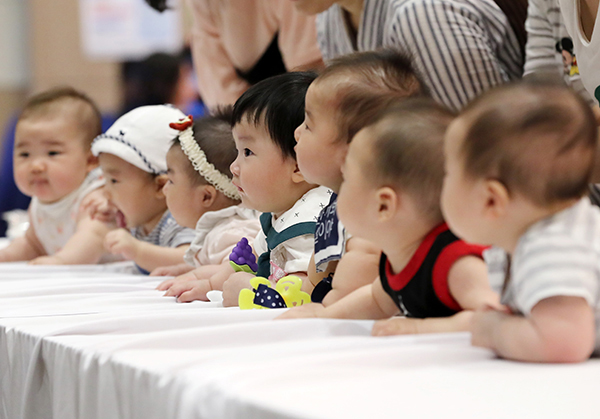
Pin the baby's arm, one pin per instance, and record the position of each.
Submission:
(369, 302)
(27, 247)
(359, 266)
(558, 329)
(315, 277)
(201, 272)
(146, 255)
(84, 247)
(469, 286)
(195, 284)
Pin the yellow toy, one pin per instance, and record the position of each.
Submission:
(287, 293)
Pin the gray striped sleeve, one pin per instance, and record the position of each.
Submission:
(174, 235)
(557, 257)
(452, 44)
(540, 50)
(552, 269)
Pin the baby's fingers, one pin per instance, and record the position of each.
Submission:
(176, 289)
(194, 294)
(162, 271)
(165, 285)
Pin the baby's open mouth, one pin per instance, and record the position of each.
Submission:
(120, 219)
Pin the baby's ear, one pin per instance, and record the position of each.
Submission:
(496, 198)
(388, 203)
(297, 176)
(208, 195)
(92, 162)
(159, 182)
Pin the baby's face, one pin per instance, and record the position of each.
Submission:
(180, 190)
(319, 152)
(356, 200)
(260, 172)
(51, 159)
(462, 199)
(133, 192)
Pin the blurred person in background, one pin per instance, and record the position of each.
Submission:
(238, 43)
(162, 78)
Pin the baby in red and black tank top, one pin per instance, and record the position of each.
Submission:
(390, 195)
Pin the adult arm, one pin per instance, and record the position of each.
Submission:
(218, 81)
(540, 50)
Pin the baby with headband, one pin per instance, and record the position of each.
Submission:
(200, 195)
(267, 178)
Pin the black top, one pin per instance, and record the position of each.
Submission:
(421, 289)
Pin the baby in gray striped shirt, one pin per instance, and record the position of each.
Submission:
(518, 162)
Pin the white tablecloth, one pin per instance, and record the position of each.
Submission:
(96, 342)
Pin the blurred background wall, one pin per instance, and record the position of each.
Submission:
(97, 46)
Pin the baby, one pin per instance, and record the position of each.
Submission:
(200, 194)
(519, 161)
(341, 101)
(394, 169)
(268, 180)
(54, 165)
(132, 154)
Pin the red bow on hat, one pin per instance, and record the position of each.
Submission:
(182, 124)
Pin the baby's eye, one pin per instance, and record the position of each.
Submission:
(306, 126)
(53, 153)
(247, 152)
(23, 154)
(113, 180)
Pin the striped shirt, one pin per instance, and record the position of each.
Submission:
(335, 35)
(546, 40)
(558, 256)
(461, 47)
(167, 233)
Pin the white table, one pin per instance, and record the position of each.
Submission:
(94, 342)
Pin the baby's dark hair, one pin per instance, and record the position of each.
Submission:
(538, 138)
(407, 146)
(50, 102)
(213, 135)
(278, 103)
(365, 83)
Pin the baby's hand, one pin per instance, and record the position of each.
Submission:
(165, 285)
(458, 322)
(97, 207)
(174, 270)
(395, 326)
(232, 287)
(121, 242)
(47, 260)
(188, 291)
(304, 311)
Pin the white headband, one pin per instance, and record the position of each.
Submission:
(198, 159)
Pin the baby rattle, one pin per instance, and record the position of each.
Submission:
(287, 293)
(242, 259)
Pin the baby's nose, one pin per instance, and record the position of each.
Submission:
(234, 168)
(297, 133)
(38, 165)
